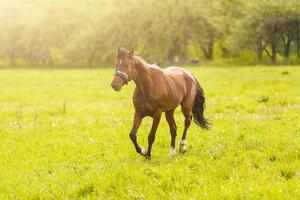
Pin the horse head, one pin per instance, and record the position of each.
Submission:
(124, 69)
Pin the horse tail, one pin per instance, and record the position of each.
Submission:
(198, 109)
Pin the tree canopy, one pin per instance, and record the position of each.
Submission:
(86, 33)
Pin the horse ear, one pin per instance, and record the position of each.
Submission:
(131, 53)
(119, 52)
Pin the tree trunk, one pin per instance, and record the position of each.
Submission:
(208, 50)
(259, 54)
(286, 51)
(298, 39)
(273, 53)
(210, 53)
(171, 56)
(286, 40)
(259, 50)
(274, 56)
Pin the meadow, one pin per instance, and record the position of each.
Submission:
(64, 135)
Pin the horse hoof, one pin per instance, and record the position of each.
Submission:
(182, 148)
(172, 152)
(143, 151)
(183, 151)
(148, 157)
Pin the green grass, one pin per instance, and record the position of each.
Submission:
(64, 135)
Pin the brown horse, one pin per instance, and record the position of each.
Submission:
(159, 91)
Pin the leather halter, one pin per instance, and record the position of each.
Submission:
(122, 75)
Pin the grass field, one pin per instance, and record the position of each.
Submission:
(64, 135)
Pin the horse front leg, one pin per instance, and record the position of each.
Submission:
(151, 136)
(136, 124)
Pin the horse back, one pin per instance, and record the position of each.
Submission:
(180, 79)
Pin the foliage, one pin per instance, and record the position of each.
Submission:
(266, 25)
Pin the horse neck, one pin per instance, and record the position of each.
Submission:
(143, 76)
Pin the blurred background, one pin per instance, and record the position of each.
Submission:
(74, 33)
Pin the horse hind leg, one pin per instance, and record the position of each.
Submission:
(173, 128)
(187, 112)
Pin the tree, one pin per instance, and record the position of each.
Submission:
(265, 23)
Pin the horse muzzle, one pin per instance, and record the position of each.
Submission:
(117, 87)
(117, 83)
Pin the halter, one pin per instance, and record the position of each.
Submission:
(122, 75)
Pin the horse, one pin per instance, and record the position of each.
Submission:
(157, 91)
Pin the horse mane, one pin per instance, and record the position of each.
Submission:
(143, 61)
(123, 53)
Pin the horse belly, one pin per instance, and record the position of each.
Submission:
(171, 101)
